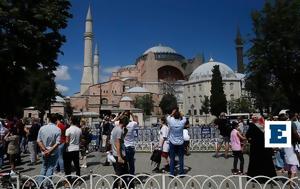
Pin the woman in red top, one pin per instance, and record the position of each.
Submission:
(61, 147)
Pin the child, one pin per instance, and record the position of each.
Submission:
(235, 138)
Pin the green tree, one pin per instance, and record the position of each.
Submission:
(205, 105)
(275, 52)
(240, 105)
(218, 100)
(145, 103)
(168, 103)
(30, 42)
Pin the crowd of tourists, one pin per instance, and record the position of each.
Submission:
(60, 144)
(247, 137)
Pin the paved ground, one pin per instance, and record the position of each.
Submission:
(195, 164)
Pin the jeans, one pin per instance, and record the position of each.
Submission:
(173, 151)
(1, 155)
(60, 161)
(121, 169)
(48, 165)
(130, 151)
(32, 147)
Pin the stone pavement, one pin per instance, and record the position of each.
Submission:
(195, 164)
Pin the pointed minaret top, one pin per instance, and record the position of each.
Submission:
(211, 59)
(96, 49)
(89, 14)
(238, 39)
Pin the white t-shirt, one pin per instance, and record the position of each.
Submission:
(163, 135)
(129, 138)
(74, 133)
(186, 136)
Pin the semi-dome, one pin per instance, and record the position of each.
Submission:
(126, 98)
(160, 49)
(137, 90)
(204, 71)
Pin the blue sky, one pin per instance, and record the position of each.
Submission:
(124, 29)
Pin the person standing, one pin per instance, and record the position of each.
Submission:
(3, 132)
(176, 124)
(224, 136)
(260, 158)
(163, 145)
(48, 141)
(235, 138)
(61, 148)
(13, 140)
(118, 148)
(129, 143)
(73, 134)
(32, 134)
(84, 142)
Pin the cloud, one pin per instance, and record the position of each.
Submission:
(62, 89)
(109, 70)
(62, 73)
(104, 78)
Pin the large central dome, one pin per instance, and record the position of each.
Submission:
(204, 72)
(160, 49)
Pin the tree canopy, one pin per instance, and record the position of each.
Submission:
(205, 105)
(168, 103)
(218, 102)
(145, 103)
(273, 72)
(30, 42)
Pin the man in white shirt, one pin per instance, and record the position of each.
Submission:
(73, 134)
(129, 143)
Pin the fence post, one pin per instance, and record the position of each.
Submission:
(91, 179)
(240, 182)
(163, 180)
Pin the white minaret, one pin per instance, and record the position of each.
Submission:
(87, 75)
(96, 66)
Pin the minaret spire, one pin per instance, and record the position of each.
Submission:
(239, 51)
(96, 65)
(87, 76)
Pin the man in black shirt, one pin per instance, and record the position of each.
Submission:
(32, 134)
(224, 136)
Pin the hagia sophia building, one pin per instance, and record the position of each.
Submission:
(159, 70)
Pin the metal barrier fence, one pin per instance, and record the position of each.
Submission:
(158, 181)
(203, 138)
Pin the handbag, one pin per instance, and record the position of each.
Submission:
(156, 156)
(246, 148)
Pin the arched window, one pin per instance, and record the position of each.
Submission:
(231, 86)
(104, 101)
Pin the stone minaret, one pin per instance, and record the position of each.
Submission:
(239, 52)
(87, 76)
(96, 66)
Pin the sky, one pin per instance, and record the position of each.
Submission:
(124, 29)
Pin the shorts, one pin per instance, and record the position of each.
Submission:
(223, 139)
(164, 154)
(291, 168)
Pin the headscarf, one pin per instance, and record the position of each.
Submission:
(259, 122)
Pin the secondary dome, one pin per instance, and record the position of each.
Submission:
(204, 71)
(59, 99)
(137, 90)
(126, 98)
(160, 49)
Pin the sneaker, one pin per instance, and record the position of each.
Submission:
(106, 164)
(83, 166)
(12, 173)
(216, 156)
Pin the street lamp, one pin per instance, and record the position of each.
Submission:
(192, 113)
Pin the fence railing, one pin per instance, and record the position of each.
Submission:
(144, 181)
(203, 138)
